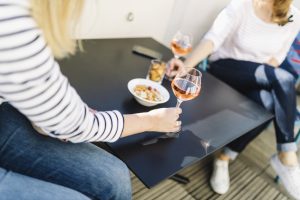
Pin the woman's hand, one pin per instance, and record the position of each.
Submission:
(273, 62)
(158, 120)
(165, 119)
(174, 65)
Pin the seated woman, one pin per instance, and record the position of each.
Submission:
(247, 43)
(34, 92)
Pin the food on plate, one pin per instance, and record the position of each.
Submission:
(147, 92)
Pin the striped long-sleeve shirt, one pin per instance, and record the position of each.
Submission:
(31, 81)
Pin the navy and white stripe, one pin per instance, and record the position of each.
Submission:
(31, 81)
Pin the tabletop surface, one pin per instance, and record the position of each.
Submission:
(219, 115)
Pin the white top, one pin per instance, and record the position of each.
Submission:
(31, 81)
(239, 34)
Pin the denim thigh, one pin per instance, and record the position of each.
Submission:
(17, 186)
(83, 167)
(248, 76)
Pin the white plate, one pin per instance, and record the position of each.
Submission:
(141, 81)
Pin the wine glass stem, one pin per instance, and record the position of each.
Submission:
(178, 103)
(175, 134)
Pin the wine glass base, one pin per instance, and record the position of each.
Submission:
(173, 135)
(164, 136)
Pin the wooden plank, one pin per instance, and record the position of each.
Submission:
(145, 192)
(281, 197)
(176, 192)
(189, 197)
(251, 190)
(268, 193)
(197, 177)
(137, 185)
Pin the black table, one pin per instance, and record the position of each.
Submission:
(219, 115)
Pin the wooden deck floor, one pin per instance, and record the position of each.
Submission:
(251, 178)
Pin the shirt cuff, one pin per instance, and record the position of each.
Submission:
(116, 121)
(120, 125)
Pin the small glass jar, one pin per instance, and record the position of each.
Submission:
(156, 71)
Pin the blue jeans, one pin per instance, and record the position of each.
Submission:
(286, 65)
(82, 167)
(273, 88)
(17, 186)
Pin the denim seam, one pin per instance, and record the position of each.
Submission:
(9, 138)
(4, 176)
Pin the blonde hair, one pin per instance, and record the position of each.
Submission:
(58, 19)
(280, 12)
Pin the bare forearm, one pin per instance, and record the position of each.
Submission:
(136, 123)
(204, 49)
(158, 120)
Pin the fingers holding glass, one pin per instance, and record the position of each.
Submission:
(173, 67)
(181, 45)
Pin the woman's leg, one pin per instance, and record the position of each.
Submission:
(16, 186)
(248, 76)
(82, 167)
(288, 67)
(263, 98)
(220, 179)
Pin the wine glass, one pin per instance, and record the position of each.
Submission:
(186, 86)
(181, 44)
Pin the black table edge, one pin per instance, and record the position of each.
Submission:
(271, 117)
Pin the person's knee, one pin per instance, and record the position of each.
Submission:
(269, 106)
(267, 100)
(110, 181)
(285, 78)
(121, 181)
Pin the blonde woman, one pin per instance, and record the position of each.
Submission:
(247, 45)
(36, 94)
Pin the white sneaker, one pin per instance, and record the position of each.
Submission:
(290, 176)
(220, 180)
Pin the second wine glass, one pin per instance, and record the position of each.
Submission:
(181, 44)
(186, 86)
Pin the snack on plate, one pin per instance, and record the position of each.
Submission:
(147, 92)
